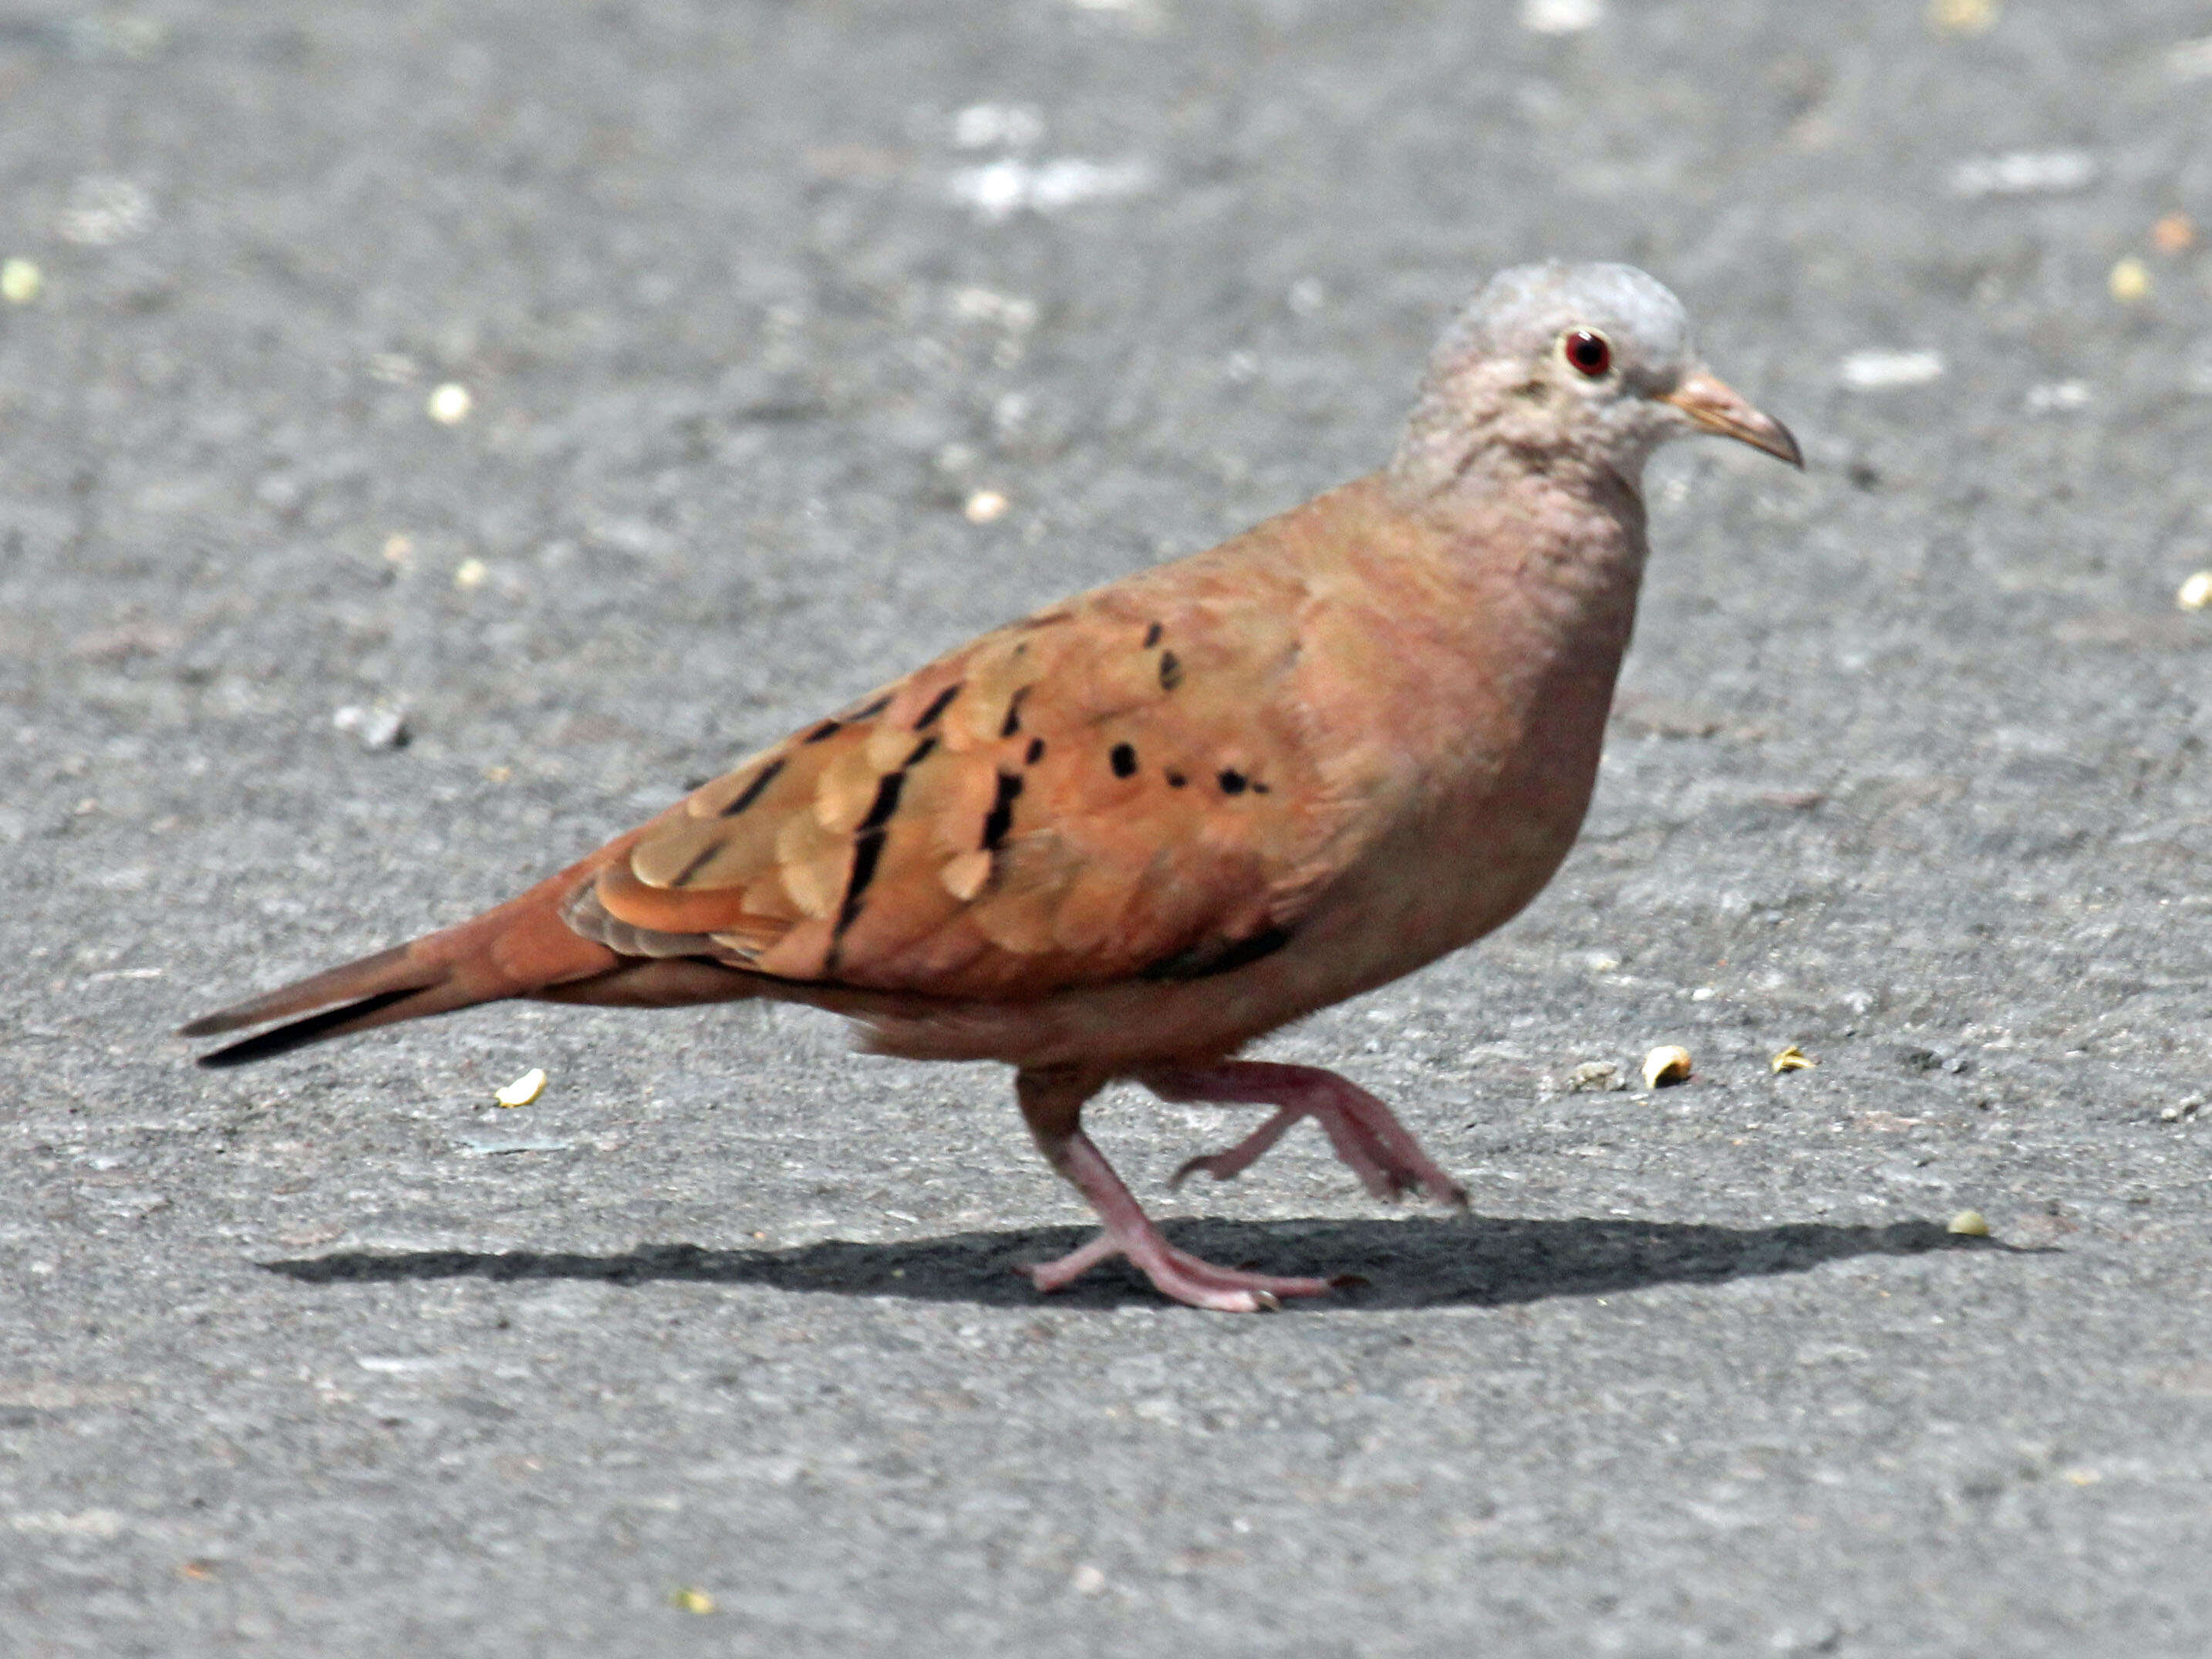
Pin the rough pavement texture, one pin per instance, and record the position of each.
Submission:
(752, 299)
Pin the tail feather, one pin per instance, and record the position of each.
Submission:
(387, 974)
(331, 1021)
(518, 949)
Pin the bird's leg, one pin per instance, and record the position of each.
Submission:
(1367, 1138)
(1052, 1105)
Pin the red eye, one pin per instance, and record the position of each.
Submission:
(1588, 352)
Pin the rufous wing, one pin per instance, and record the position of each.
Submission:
(1120, 787)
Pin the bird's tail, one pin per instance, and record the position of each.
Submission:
(520, 949)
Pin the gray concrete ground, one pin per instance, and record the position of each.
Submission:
(712, 1349)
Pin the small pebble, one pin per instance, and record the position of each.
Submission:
(469, 575)
(1012, 311)
(2174, 232)
(2025, 173)
(1878, 371)
(20, 281)
(1088, 1580)
(2055, 397)
(2196, 592)
(1561, 16)
(1142, 15)
(103, 210)
(994, 126)
(380, 728)
(524, 1089)
(1968, 1224)
(1595, 1074)
(2191, 60)
(2179, 1112)
(450, 403)
(691, 1600)
(1665, 1065)
(985, 506)
(1792, 1058)
(2129, 281)
(1962, 16)
(1010, 185)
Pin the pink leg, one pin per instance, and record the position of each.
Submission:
(1051, 1104)
(1367, 1138)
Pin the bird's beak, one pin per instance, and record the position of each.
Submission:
(1718, 407)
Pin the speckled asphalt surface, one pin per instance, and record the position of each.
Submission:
(713, 1349)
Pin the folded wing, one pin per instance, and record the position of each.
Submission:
(1121, 787)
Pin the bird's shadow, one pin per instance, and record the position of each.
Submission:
(1464, 1261)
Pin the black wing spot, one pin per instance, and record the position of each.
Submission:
(1232, 781)
(1123, 760)
(869, 711)
(1001, 818)
(1013, 720)
(1204, 961)
(827, 729)
(921, 751)
(1176, 780)
(1036, 751)
(1170, 671)
(752, 791)
(1261, 789)
(1152, 636)
(938, 705)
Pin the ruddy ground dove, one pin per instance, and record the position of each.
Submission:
(1127, 835)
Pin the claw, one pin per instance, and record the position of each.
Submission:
(1191, 1166)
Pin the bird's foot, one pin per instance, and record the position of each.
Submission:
(1367, 1137)
(1176, 1274)
(1128, 1231)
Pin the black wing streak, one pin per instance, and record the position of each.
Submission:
(751, 792)
(1204, 961)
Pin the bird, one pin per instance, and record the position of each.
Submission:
(1124, 837)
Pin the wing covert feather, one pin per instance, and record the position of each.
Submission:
(1125, 783)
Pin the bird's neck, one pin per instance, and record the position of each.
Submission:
(1547, 566)
(1554, 542)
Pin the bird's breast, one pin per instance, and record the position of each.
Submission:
(1483, 715)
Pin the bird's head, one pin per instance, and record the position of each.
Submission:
(1555, 366)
